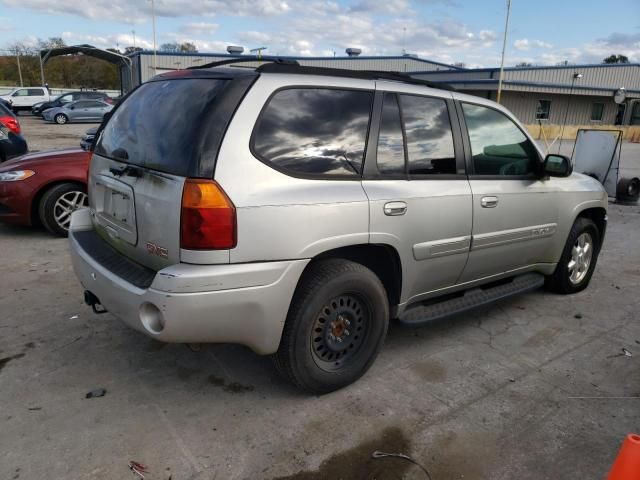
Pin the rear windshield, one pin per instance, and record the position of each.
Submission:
(158, 126)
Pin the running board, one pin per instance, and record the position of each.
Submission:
(475, 297)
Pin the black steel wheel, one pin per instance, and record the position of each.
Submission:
(335, 328)
(339, 331)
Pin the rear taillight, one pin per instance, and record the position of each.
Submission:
(208, 220)
(11, 123)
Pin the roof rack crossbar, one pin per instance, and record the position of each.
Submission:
(278, 67)
(245, 59)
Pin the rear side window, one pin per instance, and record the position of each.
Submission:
(36, 92)
(314, 131)
(429, 138)
(162, 125)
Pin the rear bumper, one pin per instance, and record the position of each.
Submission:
(245, 304)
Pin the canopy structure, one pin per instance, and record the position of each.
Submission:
(106, 55)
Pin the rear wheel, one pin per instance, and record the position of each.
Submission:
(578, 260)
(57, 205)
(61, 119)
(335, 328)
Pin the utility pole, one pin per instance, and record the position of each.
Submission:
(19, 69)
(41, 67)
(504, 47)
(133, 32)
(155, 56)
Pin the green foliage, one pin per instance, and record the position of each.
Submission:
(73, 71)
(616, 59)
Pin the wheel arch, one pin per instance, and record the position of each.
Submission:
(599, 216)
(37, 198)
(382, 259)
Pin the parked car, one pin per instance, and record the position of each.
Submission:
(65, 98)
(296, 210)
(12, 143)
(23, 99)
(44, 188)
(86, 142)
(79, 111)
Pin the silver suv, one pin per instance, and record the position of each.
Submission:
(296, 210)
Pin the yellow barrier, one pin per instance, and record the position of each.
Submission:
(570, 131)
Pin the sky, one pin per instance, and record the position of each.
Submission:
(542, 32)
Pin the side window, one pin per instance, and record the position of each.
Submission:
(67, 98)
(498, 146)
(390, 154)
(94, 104)
(36, 92)
(429, 138)
(79, 104)
(21, 93)
(314, 131)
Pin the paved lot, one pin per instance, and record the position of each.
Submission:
(535, 387)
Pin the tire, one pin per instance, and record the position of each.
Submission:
(566, 280)
(628, 190)
(58, 203)
(318, 354)
(61, 119)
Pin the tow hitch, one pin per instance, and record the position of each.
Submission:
(94, 302)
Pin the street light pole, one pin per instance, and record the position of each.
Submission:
(19, 69)
(504, 47)
(153, 18)
(576, 76)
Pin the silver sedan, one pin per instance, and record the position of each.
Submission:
(78, 111)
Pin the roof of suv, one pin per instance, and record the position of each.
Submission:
(219, 70)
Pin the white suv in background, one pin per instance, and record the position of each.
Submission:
(27, 97)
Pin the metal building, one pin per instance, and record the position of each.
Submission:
(575, 94)
(143, 63)
(583, 94)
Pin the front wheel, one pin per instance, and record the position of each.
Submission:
(61, 119)
(57, 205)
(335, 328)
(578, 260)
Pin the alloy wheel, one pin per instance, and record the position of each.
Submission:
(66, 205)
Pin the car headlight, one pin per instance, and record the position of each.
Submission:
(16, 175)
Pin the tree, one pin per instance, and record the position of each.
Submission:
(114, 50)
(523, 64)
(616, 59)
(188, 47)
(51, 42)
(170, 47)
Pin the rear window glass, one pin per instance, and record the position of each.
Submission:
(159, 125)
(315, 131)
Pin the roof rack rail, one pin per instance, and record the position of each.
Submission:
(296, 68)
(245, 59)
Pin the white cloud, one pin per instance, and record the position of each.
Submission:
(526, 44)
(139, 11)
(199, 28)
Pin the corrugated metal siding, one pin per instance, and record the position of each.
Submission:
(595, 76)
(524, 105)
(399, 64)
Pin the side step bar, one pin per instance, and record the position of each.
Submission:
(476, 297)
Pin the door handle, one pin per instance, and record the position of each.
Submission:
(489, 202)
(394, 209)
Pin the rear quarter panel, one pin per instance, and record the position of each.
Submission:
(281, 217)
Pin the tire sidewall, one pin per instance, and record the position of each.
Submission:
(47, 205)
(581, 226)
(370, 291)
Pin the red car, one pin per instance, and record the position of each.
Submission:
(44, 188)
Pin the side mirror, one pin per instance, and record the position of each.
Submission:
(557, 166)
(72, 107)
